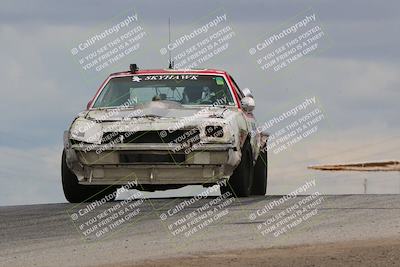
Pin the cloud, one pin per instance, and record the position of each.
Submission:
(356, 79)
(30, 175)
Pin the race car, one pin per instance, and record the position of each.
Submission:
(165, 129)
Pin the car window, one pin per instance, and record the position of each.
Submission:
(186, 89)
(240, 93)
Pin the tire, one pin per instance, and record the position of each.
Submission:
(260, 175)
(77, 193)
(240, 183)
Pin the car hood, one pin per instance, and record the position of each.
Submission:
(157, 110)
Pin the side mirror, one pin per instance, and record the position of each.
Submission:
(248, 104)
(89, 104)
(247, 92)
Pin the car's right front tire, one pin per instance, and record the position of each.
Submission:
(77, 193)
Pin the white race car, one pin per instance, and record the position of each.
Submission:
(164, 129)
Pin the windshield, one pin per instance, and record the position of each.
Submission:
(187, 89)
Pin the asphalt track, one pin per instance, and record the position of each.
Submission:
(45, 235)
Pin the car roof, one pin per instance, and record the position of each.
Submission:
(168, 71)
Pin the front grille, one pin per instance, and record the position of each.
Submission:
(129, 157)
(191, 136)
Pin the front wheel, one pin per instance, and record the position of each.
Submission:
(77, 193)
(260, 175)
(240, 183)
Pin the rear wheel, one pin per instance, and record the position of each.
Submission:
(240, 183)
(260, 175)
(77, 193)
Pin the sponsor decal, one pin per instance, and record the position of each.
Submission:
(164, 77)
(219, 80)
(136, 79)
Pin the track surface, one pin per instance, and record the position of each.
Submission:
(45, 235)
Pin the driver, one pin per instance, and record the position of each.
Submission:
(192, 94)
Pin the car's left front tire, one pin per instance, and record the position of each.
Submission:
(240, 182)
(259, 187)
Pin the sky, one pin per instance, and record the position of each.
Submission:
(354, 74)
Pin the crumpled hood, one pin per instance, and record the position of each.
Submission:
(155, 116)
(157, 109)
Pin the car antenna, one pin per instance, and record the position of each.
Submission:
(171, 63)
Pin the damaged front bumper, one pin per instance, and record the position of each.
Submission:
(151, 164)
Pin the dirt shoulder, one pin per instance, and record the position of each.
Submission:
(367, 166)
(383, 252)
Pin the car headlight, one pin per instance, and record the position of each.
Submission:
(86, 131)
(214, 131)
